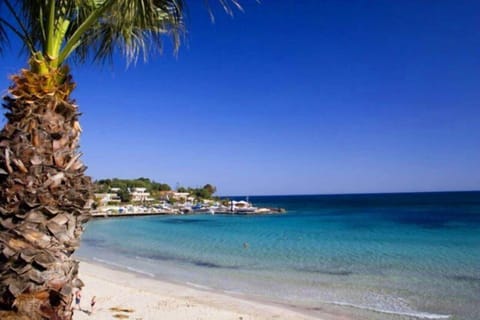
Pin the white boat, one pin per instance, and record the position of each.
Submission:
(245, 210)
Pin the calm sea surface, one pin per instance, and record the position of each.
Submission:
(384, 256)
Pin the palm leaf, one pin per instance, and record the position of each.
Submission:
(134, 28)
(96, 29)
(3, 36)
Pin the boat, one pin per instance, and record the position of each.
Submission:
(245, 210)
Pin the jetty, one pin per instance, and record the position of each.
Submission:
(138, 211)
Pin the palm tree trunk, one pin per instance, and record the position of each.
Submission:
(44, 197)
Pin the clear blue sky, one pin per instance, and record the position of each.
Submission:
(295, 97)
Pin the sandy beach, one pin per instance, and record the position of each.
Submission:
(125, 295)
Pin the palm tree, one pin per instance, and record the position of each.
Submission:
(44, 195)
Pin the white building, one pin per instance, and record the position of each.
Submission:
(140, 195)
(105, 198)
(183, 197)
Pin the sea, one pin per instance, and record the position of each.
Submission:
(368, 256)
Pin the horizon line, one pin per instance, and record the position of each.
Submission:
(348, 193)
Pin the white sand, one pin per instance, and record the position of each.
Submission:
(149, 298)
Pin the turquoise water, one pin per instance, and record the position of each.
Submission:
(399, 256)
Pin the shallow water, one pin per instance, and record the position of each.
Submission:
(404, 255)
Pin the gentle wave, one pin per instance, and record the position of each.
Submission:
(234, 292)
(420, 315)
(141, 271)
(199, 286)
(124, 267)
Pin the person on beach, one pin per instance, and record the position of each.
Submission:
(92, 304)
(78, 296)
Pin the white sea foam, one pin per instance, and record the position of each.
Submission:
(234, 292)
(124, 267)
(141, 272)
(108, 262)
(199, 286)
(415, 314)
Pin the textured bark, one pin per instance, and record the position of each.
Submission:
(44, 197)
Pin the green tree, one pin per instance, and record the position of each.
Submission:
(101, 188)
(164, 187)
(124, 195)
(210, 189)
(44, 195)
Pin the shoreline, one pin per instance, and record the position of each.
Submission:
(144, 297)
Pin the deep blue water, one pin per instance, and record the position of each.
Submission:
(396, 255)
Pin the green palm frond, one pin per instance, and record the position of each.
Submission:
(3, 34)
(96, 29)
(133, 27)
(227, 6)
